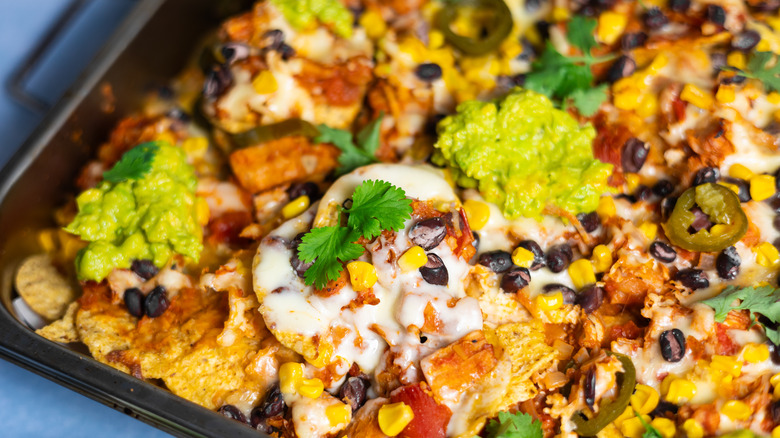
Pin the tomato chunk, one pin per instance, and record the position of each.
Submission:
(430, 418)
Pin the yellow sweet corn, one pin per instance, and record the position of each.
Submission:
(736, 410)
(393, 418)
(726, 364)
(311, 388)
(755, 353)
(762, 187)
(664, 426)
(693, 429)
(611, 26)
(633, 427)
(763, 46)
(362, 275)
(648, 105)
(295, 207)
(696, 96)
(581, 273)
(202, 211)
(632, 182)
(195, 147)
(776, 393)
(773, 98)
(522, 257)
(290, 376)
(601, 258)
(435, 39)
(766, 254)
(644, 399)
(373, 23)
(733, 187)
(649, 229)
(560, 14)
(166, 137)
(265, 83)
(606, 208)
(776, 432)
(725, 94)
(680, 391)
(340, 413)
(414, 258)
(627, 414)
(775, 380)
(740, 171)
(627, 99)
(477, 213)
(736, 59)
(549, 301)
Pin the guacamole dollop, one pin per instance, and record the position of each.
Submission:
(304, 14)
(147, 211)
(522, 154)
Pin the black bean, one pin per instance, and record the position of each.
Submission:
(539, 261)
(774, 352)
(558, 258)
(727, 263)
(767, 6)
(272, 406)
(286, 51)
(622, 67)
(643, 193)
(589, 387)
(232, 412)
(272, 39)
(179, 115)
(428, 233)
(672, 345)
(667, 206)
(664, 409)
(532, 5)
(589, 221)
(634, 155)
(746, 40)
(774, 408)
(663, 252)
(310, 189)
(743, 186)
(232, 52)
(718, 60)
(679, 5)
(774, 203)
(515, 279)
(156, 303)
(733, 80)
(529, 52)
(496, 261)
(353, 392)
(663, 188)
(475, 243)
(700, 222)
(632, 40)
(590, 299)
(716, 14)
(776, 223)
(706, 175)
(434, 271)
(428, 72)
(655, 19)
(569, 296)
(144, 269)
(218, 80)
(692, 278)
(134, 301)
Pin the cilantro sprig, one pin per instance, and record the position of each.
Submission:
(761, 300)
(134, 164)
(762, 66)
(568, 78)
(518, 425)
(376, 206)
(650, 431)
(352, 155)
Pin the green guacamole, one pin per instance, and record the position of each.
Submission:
(304, 14)
(151, 214)
(523, 154)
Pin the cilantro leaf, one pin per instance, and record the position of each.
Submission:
(650, 431)
(757, 68)
(352, 155)
(134, 164)
(368, 137)
(518, 425)
(580, 33)
(377, 206)
(588, 101)
(758, 301)
(327, 248)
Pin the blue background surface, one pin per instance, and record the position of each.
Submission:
(31, 406)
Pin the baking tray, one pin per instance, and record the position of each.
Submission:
(150, 47)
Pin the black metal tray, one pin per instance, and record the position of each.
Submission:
(150, 47)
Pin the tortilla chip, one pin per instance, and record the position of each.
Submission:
(43, 288)
(64, 329)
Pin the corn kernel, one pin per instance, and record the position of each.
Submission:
(435, 39)
(265, 83)
(660, 61)
(664, 426)
(606, 208)
(648, 105)
(736, 59)
(644, 399)
(195, 147)
(627, 414)
(762, 187)
(560, 14)
(393, 418)
(736, 410)
(414, 258)
(776, 432)
(581, 273)
(764, 46)
(680, 391)
(290, 376)
(362, 275)
(733, 187)
(311, 388)
(549, 301)
(727, 364)
(740, 171)
(373, 23)
(773, 98)
(295, 207)
(725, 94)
(48, 240)
(523, 257)
(776, 393)
(627, 99)
(611, 26)
(755, 353)
(649, 229)
(766, 254)
(202, 211)
(633, 427)
(696, 96)
(632, 182)
(477, 213)
(339, 413)
(601, 258)
(693, 429)
(166, 137)
(775, 380)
